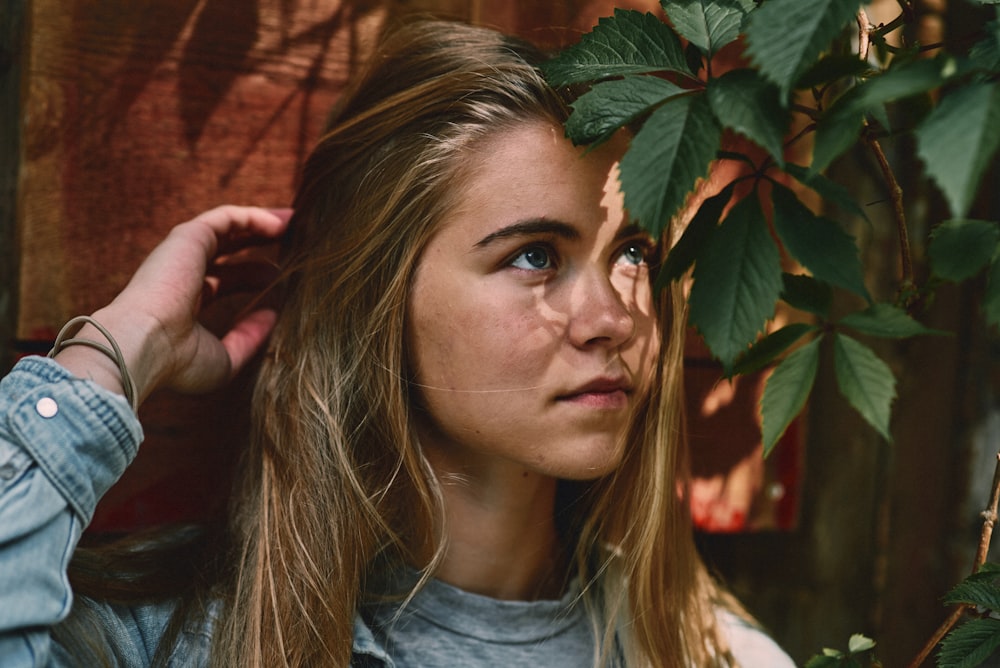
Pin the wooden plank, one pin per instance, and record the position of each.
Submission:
(141, 114)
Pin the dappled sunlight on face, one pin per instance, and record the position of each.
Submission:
(532, 332)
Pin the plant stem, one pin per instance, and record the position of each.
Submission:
(898, 211)
(864, 33)
(989, 520)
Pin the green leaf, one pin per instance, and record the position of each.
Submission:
(746, 103)
(823, 661)
(708, 24)
(771, 346)
(737, 280)
(991, 300)
(958, 139)
(959, 249)
(629, 42)
(814, 23)
(696, 235)
(834, 135)
(980, 588)
(830, 191)
(970, 644)
(674, 149)
(786, 391)
(807, 294)
(986, 53)
(831, 68)
(818, 243)
(865, 381)
(840, 128)
(859, 643)
(610, 105)
(886, 321)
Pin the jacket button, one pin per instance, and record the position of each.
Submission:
(47, 407)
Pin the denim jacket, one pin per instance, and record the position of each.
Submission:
(63, 442)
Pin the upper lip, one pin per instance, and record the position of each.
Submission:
(604, 384)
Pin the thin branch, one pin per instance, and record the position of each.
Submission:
(813, 114)
(806, 130)
(898, 211)
(885, 28)
(864, 34)
(938, 636)
(989, 521)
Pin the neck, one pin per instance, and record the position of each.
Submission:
(501, 535)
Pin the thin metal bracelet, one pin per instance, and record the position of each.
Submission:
(114, 353)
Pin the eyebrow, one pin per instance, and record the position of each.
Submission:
(530, 227)
(546, 226)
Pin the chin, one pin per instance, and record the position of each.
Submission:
(592, 463)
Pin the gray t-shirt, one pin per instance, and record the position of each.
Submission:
(446, 626)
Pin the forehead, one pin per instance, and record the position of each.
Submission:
(533, 171)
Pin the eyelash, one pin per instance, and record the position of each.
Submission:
(646, 246)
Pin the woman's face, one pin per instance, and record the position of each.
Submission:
(531, 328)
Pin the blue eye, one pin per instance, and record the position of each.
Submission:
(533, 258)
(633, 253)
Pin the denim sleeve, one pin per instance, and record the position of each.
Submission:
(63, 442)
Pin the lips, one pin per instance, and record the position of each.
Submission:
(600, 393)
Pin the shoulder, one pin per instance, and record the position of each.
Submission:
(132, 634)
(750, 645)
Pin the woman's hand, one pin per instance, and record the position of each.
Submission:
(155, 318)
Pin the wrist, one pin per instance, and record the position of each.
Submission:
(116, 352)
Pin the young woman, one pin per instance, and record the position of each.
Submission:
(466, 443)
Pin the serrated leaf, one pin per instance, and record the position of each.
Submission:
(786, 391)
(610, 105)
(959, 249)
(737, 280)
(813, 22)
(749, 105)
(886, 321)
(696, 235)
(991, 299)
(771, 346)
(865, 381)
(897, 83)
(970, 644)
(708, 24)
(674, 149)
(859, 643)
(830, 191)
(834, 135)
(977, 589)
(958, 139)
(629, 42)
(818, 243)
(839, 129)
(805, 293)
(986, 52)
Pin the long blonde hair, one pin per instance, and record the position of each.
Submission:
(334, 487)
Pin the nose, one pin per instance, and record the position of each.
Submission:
(599, 314)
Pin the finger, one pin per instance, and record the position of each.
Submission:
(247, 336)
(236, 221)
(242, 277)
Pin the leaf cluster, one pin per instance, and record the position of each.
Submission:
(858, 655)
(975, 641)
(656, 78)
